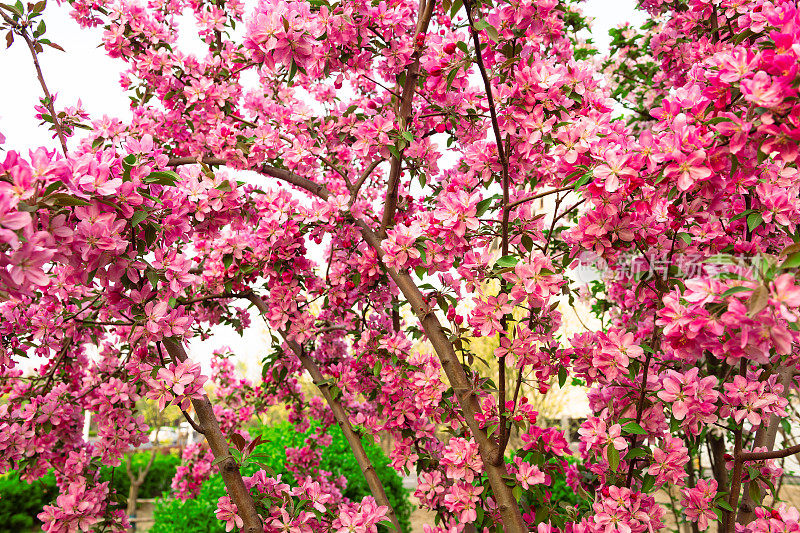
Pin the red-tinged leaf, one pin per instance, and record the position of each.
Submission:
(9, 39)
(238, 441)
(791, 249)
(56, 46)
(758, 300)
(252, 446)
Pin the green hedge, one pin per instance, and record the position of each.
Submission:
(20, 501)
(156, 482)
(338, 459)
(192, 516)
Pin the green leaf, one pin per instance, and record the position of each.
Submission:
(636, 452)
(634, 428)
(483, 206)
(722, 504)
(793, 261)
(456, 6)
(67, 199)
(452, 76)
(734, 290)
(717, 120)
(137, 217)
(613, 457)
(583, 180)
(758, 300)
(527, 242)
(507, 261)
(218, 460)
(153, 277)
(685, 237)
(162, 178)
(648, 482)
(562, 376)
(754, 220)
(755, 491)
(742, 214)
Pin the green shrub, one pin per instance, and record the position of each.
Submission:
(563, 493)
(192, 516)
(20, 502)
(195, 516)
(156, 482)
(338, 458)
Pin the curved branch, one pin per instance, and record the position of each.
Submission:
(357, 186)
(774, 454)
(290, 177)
(512, 205)
(467, 398)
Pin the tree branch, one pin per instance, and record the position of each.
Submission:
(340, 415)
(514, 204)
(468, 400)
(774, 454)
(48, 101)
(409, 87)
(357, 185)
(228, 467)
(192, 423)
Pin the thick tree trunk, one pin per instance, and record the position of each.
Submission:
(342, 419)
(138, 479)
(228, 467)
(133, 495)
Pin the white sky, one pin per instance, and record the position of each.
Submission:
(84, 72)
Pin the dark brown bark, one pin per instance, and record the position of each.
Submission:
(342, 419)
(228, 467)
(403, 114)
(765, 436)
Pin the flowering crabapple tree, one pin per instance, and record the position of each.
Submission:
(339, 116)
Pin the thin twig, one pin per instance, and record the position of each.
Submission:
(48, 99)
(357, 185)
(514, 204)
